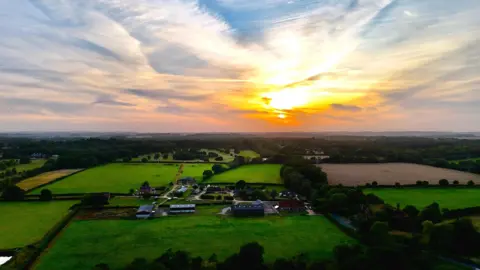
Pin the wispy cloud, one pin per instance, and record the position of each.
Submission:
(204, 65)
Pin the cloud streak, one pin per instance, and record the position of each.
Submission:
(188, 65)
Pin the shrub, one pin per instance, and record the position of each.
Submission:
(46, 195)
(443, 182)
(456, 182)
(470, 183)
(374, 183)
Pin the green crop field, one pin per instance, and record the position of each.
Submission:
(23, 223)
(249, 153)
(261, 173)
(117, 242)
(36, 163)
(196, 170)
(115, 178)
(451, 198)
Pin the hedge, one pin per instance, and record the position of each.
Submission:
(456, 213)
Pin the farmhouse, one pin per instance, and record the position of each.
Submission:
(182, 208)
(291, 205)
(145, 211)
(248, 210)
(186, 181)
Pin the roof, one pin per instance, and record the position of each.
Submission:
(182, 206)
(291, 203)
(257, 202)
(247, 206)
(145, 208)
(182, 189)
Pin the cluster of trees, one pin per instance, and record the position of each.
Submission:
(10, 177)
(220, 168)
(302, 178)
(251, 256)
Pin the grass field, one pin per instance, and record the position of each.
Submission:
(115, 178)
(249, 153)
(390, 173)
(44, 178)
(36, 163)
(261, 173)
(196, 170)
(451, 198)
(117, 242)
(23, 223)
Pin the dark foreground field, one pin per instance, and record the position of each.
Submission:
(390, 173)
(117, 242)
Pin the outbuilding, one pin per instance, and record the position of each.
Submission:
(145, 211)
(291, 205)
(248, 210)
(182, 208)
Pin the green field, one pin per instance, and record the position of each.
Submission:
(36, 163)
(451, 198)
(196, 170)
(23, 223)
(115, 178)
(261, 173)
(117, 242)
(249, 153)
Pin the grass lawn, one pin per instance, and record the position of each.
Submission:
(23, 223)
(36, 163)
(33, 182)
(249, 153)
(451, 198)
(117, 242)
(261, 173)
(196, 170)
(118, 177)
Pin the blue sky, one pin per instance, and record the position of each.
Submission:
(239, 65)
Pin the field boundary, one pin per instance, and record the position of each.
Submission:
(417, 186)
(249, 183)
(172, 162)
(346, 230)
(55, 180)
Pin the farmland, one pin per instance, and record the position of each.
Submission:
(35, 163)
(451, 198)
(390, 173)
(44, 178)
(115, 178)
(264, 173)
(117, 242)
(196, 170)
(23, 223)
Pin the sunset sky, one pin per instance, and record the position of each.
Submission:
(239, 65)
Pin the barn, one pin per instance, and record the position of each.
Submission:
(291, 205)
(181, 208)
(248, 210)
(145, 211)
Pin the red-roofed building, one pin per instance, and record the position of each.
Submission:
(291, 205)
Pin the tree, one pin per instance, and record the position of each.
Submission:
(251, 256)
(379, 234)
(131, 191)
(425, 183)
(455, 182)
(149, 157)
(13, 193)
(283, 264)
(25, 160)
(432, 213)
(196, 263)
(95, 200)
(411, 211)
(374, 183)
(419, 183)
(213, 258)
(46, 195)
(240, 184)
(207, 174)
(273, 194)
(219, 158)
(165, 156)
(470, 183)
(219, 197)
(144, 160)
(217, 168)
(443, 182)
(156, 156)
(101, 266)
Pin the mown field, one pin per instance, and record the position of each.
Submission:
(44, 178)
(118, 177)
(258, 173)
(117, 242)
(36, 163)
(196, 170)
(451, 198)
(227, 157)
(23, 223)
(390, 173)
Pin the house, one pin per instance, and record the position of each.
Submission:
(182, 189)
(248, 210)
(146, 189)
(145, 211)
(186, 181)
(291, 205)
(181, 208)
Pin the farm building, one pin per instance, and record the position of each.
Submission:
(182, 208)
(182, 189)
(248, 210)
(186, 181)
(213, 189)
(291, 205)
(145, 211)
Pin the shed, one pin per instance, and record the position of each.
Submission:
(248, 210)
(145, 211)
(182, 208)
(291, 205)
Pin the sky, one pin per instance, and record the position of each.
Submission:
(239, 65)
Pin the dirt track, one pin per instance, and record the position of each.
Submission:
(389, 173)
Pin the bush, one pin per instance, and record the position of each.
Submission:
(46, 195)
(374, 183)
(443, 182)
(470, 183)
(456, 182)
(13, 193)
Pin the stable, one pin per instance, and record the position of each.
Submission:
(145, 211)
(181, 208)
(248, 210)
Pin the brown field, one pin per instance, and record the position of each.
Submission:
(390, 173)
(44, 178)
